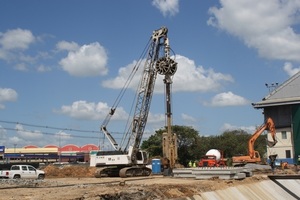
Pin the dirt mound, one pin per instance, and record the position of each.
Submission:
(64, 171)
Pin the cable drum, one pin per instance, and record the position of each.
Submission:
(166, 66)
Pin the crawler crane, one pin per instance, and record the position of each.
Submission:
(127, 160)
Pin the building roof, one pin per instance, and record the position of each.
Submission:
(285, 94)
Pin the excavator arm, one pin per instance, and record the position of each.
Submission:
(269, 125)
(253, 156)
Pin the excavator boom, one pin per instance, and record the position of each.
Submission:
(253, 156)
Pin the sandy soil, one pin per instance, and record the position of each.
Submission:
(77, 183)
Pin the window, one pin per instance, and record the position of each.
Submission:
(31, 168)
(288, 153)
(24, 168)
(283, 135)
(15, 167)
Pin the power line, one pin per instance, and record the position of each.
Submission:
(54, 128)
(53, 134)
(49, 127)
(47, 133)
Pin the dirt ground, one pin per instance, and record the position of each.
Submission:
(78, 183)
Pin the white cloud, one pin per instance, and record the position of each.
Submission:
(156, 118)
(2, 134)
(67, 46)
(21, 67)
(7, 94)
(88, 60)
(90, 111)
(13, 43)
(229, 127)
(43, 68)
(289, 69)
(192, 78)
(123, 74)
(167, 7)
(27, 134)
(62, 137)
(99, 111)
(264, 25)
(16, 39)
(15, 140)
(227, 99)
(15, 46)
(188, 77)
(189, 118)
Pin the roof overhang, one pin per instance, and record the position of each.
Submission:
(276, 102)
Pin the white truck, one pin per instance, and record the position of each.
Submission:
(22, 171)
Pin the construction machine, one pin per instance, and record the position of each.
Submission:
(254, 156)
(212, 158)
(127, 159)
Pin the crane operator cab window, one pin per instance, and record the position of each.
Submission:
(142, 157)
(139, 155)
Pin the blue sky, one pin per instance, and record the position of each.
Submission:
(62, 64)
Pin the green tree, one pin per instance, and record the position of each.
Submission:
(192, 146)
(188, 140)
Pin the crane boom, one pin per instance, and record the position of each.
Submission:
(145, 90)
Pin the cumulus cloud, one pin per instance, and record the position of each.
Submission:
(229, 127)
(88, 60)
(188, 77)
(289, 69)
(189, 118)
(13, 44)
(14, 49)
(67, 46)
(227, 99)
(98, 111)
(7, 94)
(264, 25)
(167, 7)
(16, 39)
(90, 111)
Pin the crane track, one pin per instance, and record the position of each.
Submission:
(36, 184)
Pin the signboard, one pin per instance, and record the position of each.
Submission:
(2, 149)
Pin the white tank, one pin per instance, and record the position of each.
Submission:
(214, 152)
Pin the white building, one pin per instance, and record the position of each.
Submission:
(283, 106)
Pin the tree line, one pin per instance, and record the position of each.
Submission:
(192, 146)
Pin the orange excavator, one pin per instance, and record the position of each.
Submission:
(254, 156)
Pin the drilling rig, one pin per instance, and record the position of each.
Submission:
(127, 159)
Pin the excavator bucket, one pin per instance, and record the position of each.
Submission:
(273, 157)
(271, 143)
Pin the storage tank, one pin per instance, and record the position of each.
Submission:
(214, 152)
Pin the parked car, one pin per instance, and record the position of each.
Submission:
(22, 171)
